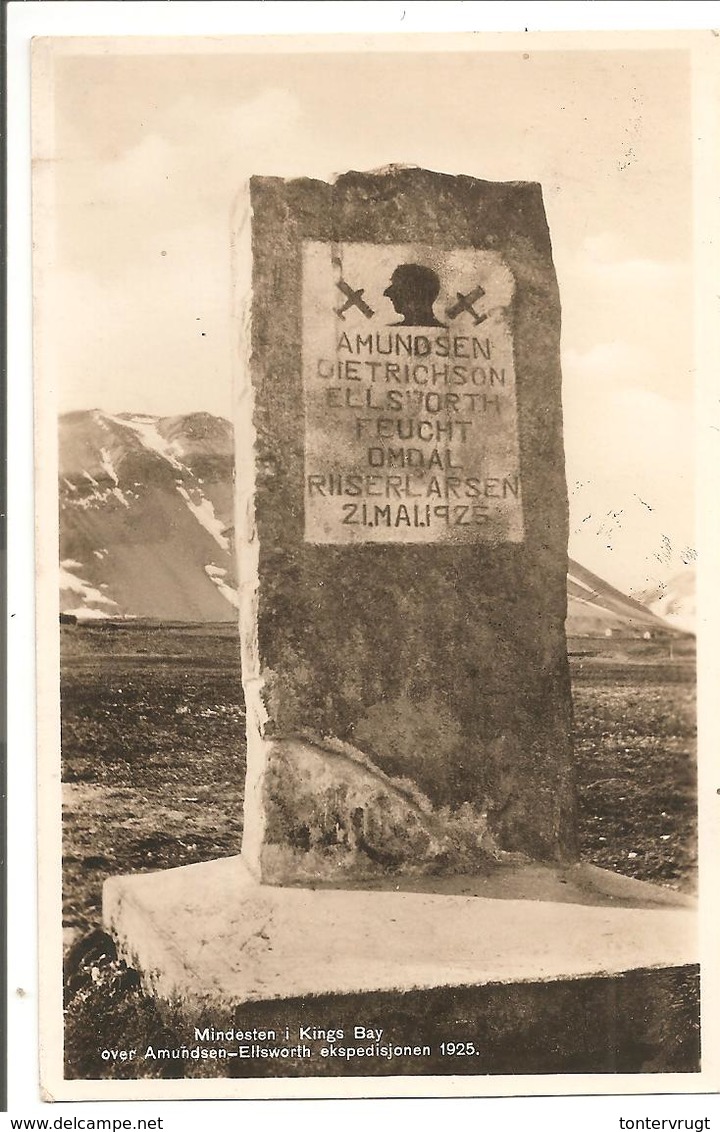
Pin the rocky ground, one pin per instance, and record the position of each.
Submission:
(153, 769)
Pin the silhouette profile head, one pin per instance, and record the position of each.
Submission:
(413, 290)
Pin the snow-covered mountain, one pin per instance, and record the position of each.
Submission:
(146, 516)
(637, 542)
(146, 513)
(595, 608)
(674, 600)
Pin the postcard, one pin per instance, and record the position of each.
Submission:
(371, 374)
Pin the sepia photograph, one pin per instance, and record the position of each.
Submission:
(366, 458)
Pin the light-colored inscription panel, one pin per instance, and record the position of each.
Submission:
(409, 386)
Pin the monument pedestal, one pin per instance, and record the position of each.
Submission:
(540, 969)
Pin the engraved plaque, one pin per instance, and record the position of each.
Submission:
(409, 387)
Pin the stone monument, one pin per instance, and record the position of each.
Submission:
(403, 529)
(409, 856)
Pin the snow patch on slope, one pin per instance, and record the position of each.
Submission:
(589, 596)
(204, 512)
(107, 466)
(677, 609)
(147, 430)
(84, 614)
(217, 575)
(149, 434)
(86, 592)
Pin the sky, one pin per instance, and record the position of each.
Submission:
(149, 149)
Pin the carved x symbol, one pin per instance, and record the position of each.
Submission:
(353, 299)
(465, 303)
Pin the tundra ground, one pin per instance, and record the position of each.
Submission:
(153, 772)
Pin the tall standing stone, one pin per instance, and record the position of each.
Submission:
(402, 529)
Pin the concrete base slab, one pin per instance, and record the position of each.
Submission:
(211, 943)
